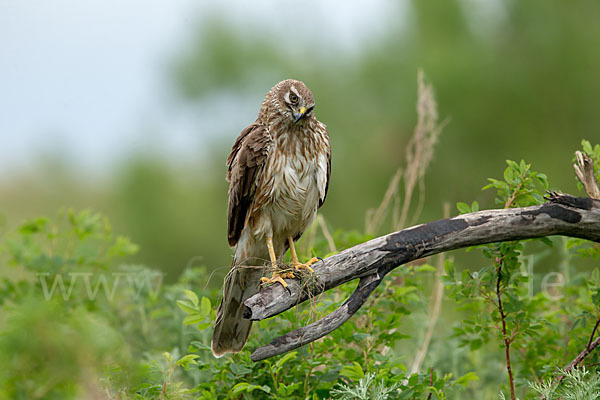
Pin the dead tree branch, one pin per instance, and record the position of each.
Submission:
(371, 261)
(584, 169)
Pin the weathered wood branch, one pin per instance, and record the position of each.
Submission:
(371, 261)
(584, 169)
(325, 325)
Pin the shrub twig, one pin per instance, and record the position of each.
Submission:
(577, 360)
(507, 339)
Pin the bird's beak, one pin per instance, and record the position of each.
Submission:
(299, 114)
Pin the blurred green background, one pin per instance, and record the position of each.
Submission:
(518, 80)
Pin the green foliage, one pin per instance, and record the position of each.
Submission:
(138, 338)
(365, 389)
(464, 208)
(518, 189)
(594, 153)
(582, 247)
(116, 330)
(358, 353)
(501, 300)
(578, 384)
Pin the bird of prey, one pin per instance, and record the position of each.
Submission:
(278, 173)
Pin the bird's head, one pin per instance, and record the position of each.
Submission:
(294, 100)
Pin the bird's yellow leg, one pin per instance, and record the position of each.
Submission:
(277, 277)
(297, 264)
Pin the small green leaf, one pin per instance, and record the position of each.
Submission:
(203, 326)
(247, 387)
(508, 175)
(200, 345)
(354, 372)
(187, 307)
(192, 296)
(205, 306)
(240, 387)
(167, 356)
(425, 268)
(239, 370)
(193, 319)
(265, 388)
(413, 380)
(450, 269)
(463, 208)
(34, 225)
(186, 360)
(358, 336)
(465, 379)
(538, 199)
(475, 344)
(284, 359)
(123, 247)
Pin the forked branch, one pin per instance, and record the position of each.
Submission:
(371, 261)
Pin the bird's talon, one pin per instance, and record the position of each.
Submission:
(299, 266)
(313, 260)
(275, 278)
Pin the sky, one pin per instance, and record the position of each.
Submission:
(89, 80)
(81, 76)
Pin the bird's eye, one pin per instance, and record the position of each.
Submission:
(293, 98)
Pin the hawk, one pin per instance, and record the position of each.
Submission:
(278, 173)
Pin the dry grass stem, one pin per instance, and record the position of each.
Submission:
(307, 242)
(419, 153)
(374, 218)
(328, 237)
(420, 204)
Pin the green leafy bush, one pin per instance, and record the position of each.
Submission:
(79, 322)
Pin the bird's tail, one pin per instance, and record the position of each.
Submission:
(231, 328)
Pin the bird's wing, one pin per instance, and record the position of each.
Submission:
(244, 167)
(328, 149)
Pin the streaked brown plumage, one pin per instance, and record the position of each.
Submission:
(278, 173)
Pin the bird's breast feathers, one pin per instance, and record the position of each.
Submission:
(298, 180)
